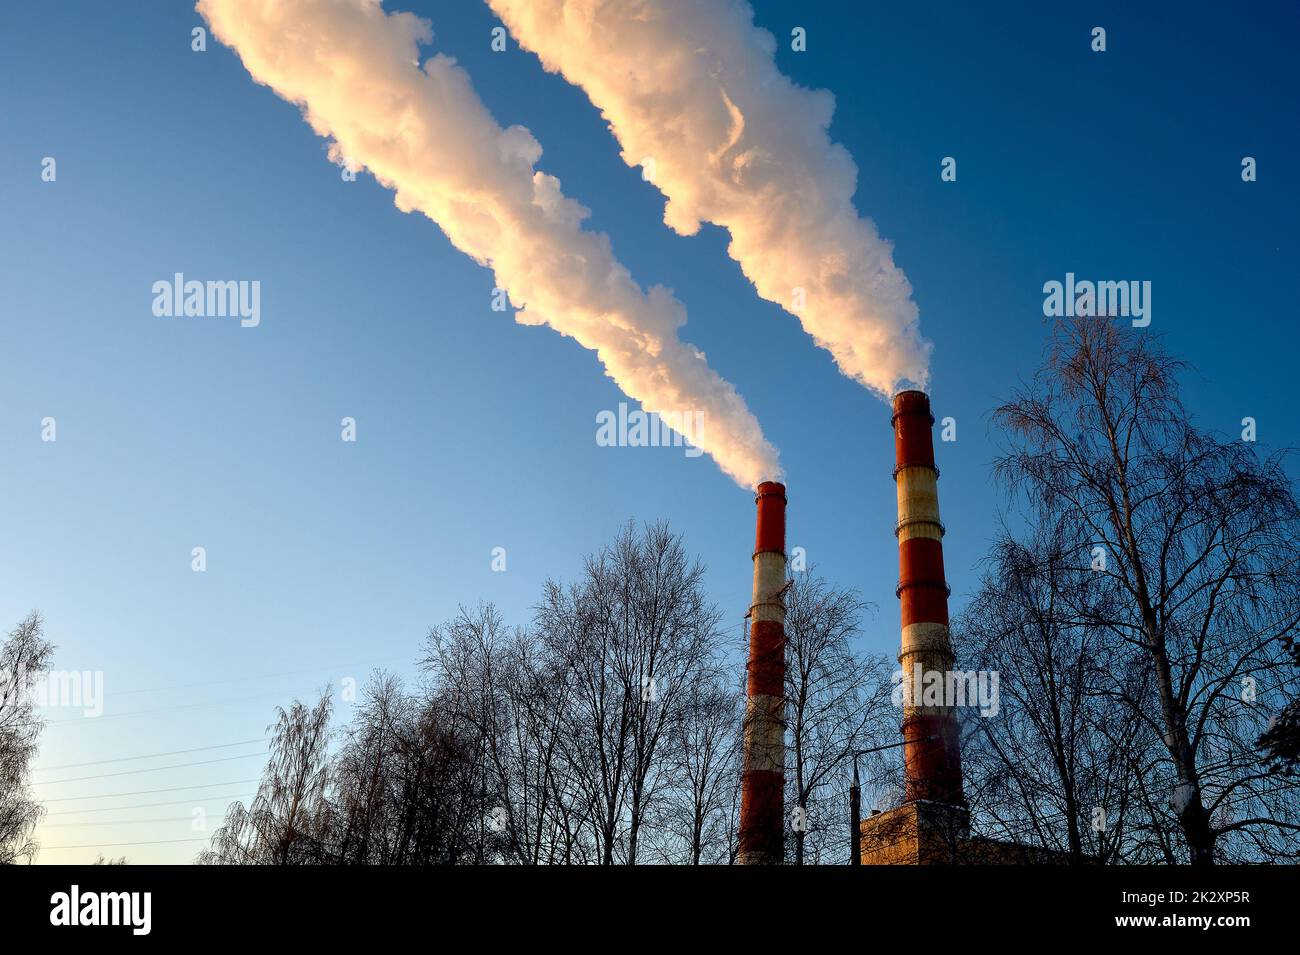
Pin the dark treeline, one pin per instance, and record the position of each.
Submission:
(607, 731)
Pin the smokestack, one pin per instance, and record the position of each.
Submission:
(762, 796)
(931, 747)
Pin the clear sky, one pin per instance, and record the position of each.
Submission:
(327, 558)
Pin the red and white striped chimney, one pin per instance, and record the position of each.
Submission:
(931, 744)
(762, 794)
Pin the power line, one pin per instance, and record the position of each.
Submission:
(164, 709)
(262, 676)
(174, 752)
(83, 720)
(150, 805)
(126, 822)
(151, 769)
(145, 792)
(88, 721)
(114, 845)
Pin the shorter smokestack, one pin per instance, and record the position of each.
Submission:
(762, 795)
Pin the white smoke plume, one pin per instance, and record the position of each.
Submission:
(423, 132)
(690, 89)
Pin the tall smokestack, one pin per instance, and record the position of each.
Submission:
(762, 795)
(931, 746)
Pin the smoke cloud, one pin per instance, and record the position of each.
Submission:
(423, 132)
(691, 91)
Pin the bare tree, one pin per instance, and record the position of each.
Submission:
(468, 659)
(24, 660)
(705, 768)
(1194, 538)
(281, 825)
(545, 813)
(836, 703)
(1058, 764)
(368, 771)
(634, 639)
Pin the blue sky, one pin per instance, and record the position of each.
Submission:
(326, 558)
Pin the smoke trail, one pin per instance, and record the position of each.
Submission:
(693, 88)
(424, 133)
